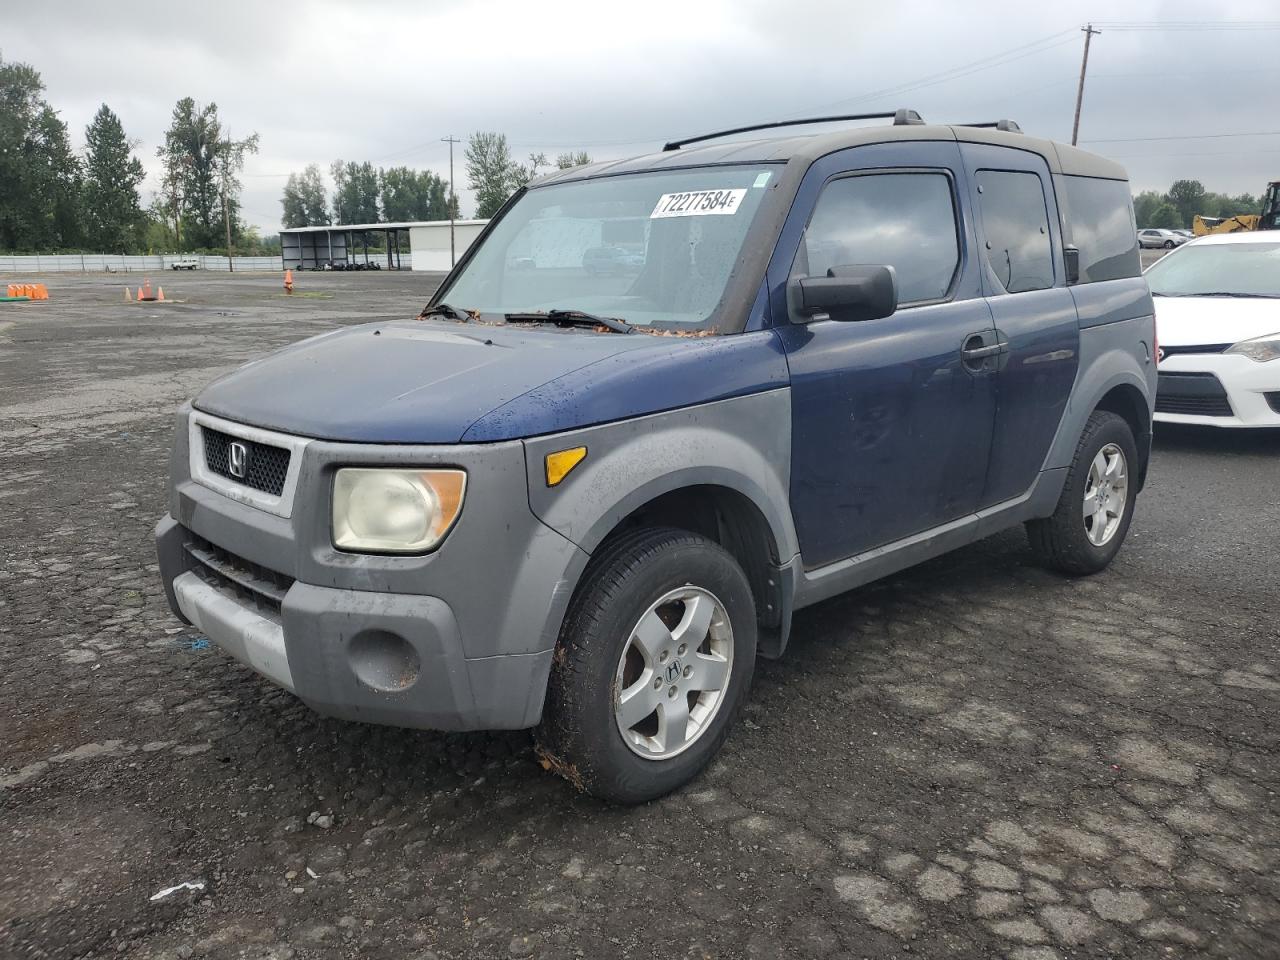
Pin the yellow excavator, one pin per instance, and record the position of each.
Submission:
(1269, 219)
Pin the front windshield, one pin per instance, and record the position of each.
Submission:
(1218, 269)
(653, 249)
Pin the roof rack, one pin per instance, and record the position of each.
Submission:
(900, 117)
(1008, 126)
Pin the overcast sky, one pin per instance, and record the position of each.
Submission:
(384, 81)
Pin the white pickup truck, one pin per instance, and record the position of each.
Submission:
(185, 263)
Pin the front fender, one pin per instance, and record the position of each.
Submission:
(743, 443)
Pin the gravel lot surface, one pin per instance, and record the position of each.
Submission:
(973, 758)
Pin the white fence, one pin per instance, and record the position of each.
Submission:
(110, 263)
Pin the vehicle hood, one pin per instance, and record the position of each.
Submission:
(431, 381)
(1191, 321)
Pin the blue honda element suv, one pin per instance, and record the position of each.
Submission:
(659, 406)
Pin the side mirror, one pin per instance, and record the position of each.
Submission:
(1071, 259)
(847, 294)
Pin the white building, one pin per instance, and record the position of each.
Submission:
(420, 245)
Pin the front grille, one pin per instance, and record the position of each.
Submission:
(265, 466)
(261, 587)
(1192, 394)
(1167, 351)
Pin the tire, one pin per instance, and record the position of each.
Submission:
(1067, 541)
(1168, 244)
(600, 658)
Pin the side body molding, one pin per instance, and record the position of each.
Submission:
(743, 443)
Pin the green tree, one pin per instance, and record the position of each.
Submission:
(1187, 198)
(567, 160)
(412, 195)
(1165, 217)
(491, 173)
(113, 212)
(202, 165)
(1144, 205)
(40, 176)
(355, 192)
(521, 174)
(305, 203)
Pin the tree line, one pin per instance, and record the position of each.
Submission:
(1176, 208)
(55, 199)
(363, 194)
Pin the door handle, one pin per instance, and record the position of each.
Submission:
(979, 353)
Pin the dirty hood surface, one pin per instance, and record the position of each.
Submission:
(403, 382)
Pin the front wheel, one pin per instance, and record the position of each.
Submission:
(1168, 244)
(1096, 506)
(654, 660)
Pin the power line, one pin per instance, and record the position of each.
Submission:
(1189, 136)
(963, 70)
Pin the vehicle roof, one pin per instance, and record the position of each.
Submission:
(809, 147)
(1241, 236)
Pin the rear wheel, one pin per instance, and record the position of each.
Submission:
(654, 660)
(1096, 506)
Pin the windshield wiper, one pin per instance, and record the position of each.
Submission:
(444, 310)
(1219, 293)
(570, 317)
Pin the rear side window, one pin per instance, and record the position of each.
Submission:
(903, 220)
(1015, 227)
(1100, 223)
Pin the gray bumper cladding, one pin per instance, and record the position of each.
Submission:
(253, 639)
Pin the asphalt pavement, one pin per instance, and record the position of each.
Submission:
(974, 758)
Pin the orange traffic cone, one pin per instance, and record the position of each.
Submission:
(288, 281)
(139, 297)
(128, 294)
(159, 293)
(145, 293)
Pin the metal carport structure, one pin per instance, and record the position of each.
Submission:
(314, 248)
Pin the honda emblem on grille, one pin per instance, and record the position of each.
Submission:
(237, 459)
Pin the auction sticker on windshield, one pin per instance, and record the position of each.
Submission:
(698, 203)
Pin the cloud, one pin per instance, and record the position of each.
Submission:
(384, 81)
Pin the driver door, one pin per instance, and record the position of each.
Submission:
(892, 418)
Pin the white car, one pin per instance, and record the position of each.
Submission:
(1218, 326)
(185, 263)
(1161, 238)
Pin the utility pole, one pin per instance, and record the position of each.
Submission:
(1088, 32)
(453, 256)
(226, 219)
(231, 267)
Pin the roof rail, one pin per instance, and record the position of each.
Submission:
(900, 117)
(1008, 126)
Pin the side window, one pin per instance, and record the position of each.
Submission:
(903, 220)
(1100, 224)
(1015, 228)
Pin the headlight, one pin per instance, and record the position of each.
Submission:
(394, 511)
(1261, 349)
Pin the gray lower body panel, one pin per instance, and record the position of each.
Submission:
(376, 657)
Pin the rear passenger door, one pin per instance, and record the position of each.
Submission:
(1024, 281)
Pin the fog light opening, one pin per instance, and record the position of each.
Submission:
(384, 661)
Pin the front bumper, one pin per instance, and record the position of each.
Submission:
(1244, 383)
(375, 657)
(460, 639)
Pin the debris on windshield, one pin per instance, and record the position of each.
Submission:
(448, 310)
(656, 332)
